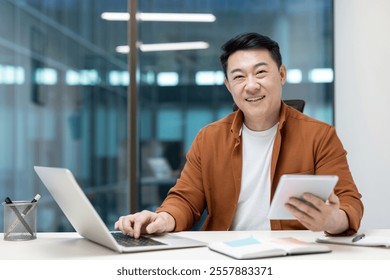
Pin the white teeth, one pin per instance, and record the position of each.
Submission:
(254, 99)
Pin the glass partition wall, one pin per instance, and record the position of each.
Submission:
(64, 89)
(63, 103)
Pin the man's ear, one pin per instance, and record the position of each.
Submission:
(283, 74)
(227, 85)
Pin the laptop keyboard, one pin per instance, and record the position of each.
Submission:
(129, 241)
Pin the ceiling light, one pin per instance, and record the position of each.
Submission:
(115, 16)
(174, 46)
(294, 76)
(176, 17)
(168, 79)
(172, 17)
(321, 75)
(208, 78)
(122, 49)
(166, 47)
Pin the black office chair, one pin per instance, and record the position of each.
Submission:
(298, 104)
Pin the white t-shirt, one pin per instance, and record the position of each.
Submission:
(254, 199)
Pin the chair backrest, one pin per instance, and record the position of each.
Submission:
(298, 104)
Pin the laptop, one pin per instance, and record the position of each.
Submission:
(82, 215)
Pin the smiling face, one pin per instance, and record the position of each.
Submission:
(255, 83)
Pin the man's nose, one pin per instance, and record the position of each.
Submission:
(252, 83)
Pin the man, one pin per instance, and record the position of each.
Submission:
(234, 164)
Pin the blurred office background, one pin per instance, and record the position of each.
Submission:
(64, 79)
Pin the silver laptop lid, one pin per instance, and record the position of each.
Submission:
(76, 206)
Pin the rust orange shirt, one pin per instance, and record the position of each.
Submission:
(211, 177)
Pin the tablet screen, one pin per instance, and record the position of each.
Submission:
(295, 186)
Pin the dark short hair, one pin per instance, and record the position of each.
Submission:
(248, 41)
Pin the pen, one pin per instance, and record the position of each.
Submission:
(358, 237)
(27, 209)
(20, 217)
(24, 213)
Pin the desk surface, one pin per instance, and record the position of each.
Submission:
(71, 246)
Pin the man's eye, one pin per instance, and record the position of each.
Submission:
(238, 77)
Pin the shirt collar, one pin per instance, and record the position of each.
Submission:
(238, 120)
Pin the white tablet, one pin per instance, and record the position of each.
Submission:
(295, 186)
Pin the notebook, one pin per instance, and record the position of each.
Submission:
(82, 215)
(251, 247)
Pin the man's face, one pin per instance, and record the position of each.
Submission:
(255, 83)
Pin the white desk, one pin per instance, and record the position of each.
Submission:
(70, 246)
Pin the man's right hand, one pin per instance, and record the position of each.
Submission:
(145, 222)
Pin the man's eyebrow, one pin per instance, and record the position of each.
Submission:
(254, 66)
(260, 64)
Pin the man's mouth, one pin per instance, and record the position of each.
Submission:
(255, 99)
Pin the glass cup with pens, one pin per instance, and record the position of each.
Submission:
(20, 219)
